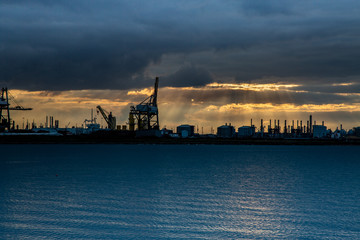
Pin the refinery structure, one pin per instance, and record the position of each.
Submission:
(143, 121)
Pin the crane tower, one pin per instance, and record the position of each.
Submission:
(5, 120)
(146, 114)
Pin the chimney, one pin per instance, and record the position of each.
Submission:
(307, 126)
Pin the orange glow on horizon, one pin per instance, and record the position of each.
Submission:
(177, 105)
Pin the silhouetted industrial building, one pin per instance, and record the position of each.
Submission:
(226, 131)
(246, 131)
(357, 131)
(319, 131)
(185, 130)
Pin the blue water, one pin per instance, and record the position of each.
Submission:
(179, 192)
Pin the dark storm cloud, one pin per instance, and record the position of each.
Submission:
(266, 8)
(60, 45)
(188, 76)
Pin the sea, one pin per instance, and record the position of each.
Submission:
(114, 191)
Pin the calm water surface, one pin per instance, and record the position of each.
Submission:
(179, 192)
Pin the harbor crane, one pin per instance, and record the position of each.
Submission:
(146, 114)
(109, 118)
(5, 120)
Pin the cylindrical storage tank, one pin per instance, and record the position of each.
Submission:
(131, 122)
(184, 133)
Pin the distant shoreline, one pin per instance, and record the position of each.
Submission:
(109, 139)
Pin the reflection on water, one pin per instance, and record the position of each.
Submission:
(194, 192)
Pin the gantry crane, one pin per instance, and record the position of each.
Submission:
(146, 114)
(109, 118)
(5, 120)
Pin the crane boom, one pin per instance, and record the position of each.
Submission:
(108, 117)
(103, 113)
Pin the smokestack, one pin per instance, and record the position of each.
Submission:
(301, 125)
(251, 122)
(323, 123)
(310, 123)
(285, 130)
(307, 126)
(269, 127)
(279, 124)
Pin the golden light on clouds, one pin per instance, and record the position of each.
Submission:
(145, 91)
(284, 107)
(347, 94)
(226, 86)
(78, 97)
(253, 86)
(342, 84)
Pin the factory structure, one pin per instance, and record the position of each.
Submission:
(143, 121)
(298, 131)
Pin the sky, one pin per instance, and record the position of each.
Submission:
(219, 61)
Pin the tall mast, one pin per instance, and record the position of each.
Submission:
(155, 91)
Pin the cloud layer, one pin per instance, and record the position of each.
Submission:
(110, 44)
